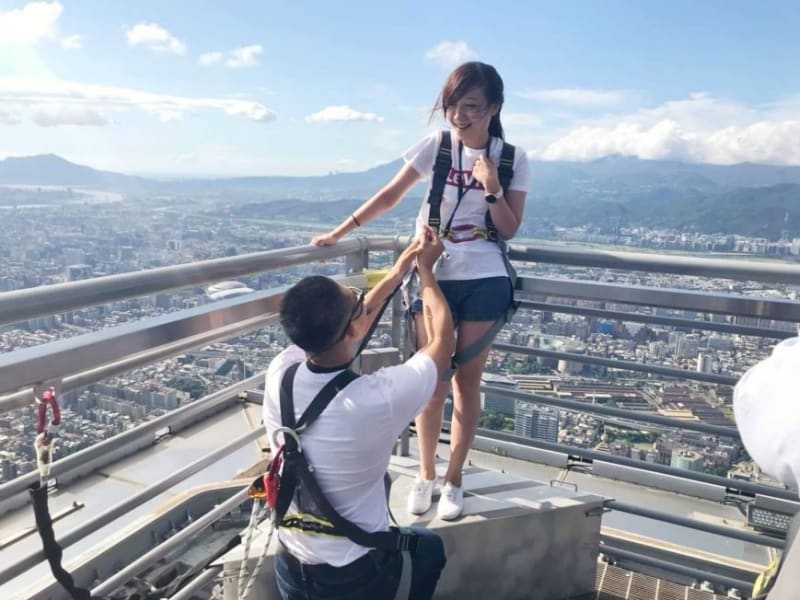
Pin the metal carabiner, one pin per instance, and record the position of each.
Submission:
(285, 431)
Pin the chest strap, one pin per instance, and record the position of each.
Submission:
(296, 469)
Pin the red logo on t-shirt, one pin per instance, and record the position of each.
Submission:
(468, 182)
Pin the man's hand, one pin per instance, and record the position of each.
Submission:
(406, 259)
(431, 248)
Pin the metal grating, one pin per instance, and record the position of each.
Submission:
(614, 583)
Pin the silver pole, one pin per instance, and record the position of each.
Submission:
(173, 543)
(197, 584)
(120, 509)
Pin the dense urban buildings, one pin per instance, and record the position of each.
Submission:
(80, 240)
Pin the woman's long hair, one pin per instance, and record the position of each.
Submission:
(467, 77)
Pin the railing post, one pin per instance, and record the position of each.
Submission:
(357, 261)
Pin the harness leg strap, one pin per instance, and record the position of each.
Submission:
(404, 587)
(479, 345)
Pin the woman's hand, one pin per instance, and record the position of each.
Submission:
(485, 171)
(326, 239)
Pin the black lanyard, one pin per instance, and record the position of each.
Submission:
(462, 191)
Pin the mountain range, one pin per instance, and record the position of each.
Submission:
(746, 198)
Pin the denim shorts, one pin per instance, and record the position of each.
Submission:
(374, 575)
(484, 299)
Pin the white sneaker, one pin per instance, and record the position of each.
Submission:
(419, 499)
(451, 503)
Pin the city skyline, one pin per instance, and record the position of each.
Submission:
(268, 90)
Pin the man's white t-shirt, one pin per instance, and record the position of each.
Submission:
(350, 444)
(478, 258)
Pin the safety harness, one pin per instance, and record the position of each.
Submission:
(44, 445)
(294, 495)
(289, 483)
(441, 171)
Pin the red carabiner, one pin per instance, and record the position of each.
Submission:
(272, 478)
(48, 399)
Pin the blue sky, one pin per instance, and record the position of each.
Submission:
(178, 87)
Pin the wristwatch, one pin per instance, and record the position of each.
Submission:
(492, 198)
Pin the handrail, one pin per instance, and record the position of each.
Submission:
(184, 535)
(623, 365)
(729, 304)
(28, 303)
(732, 485)
(635, 317)
(81, 380)
(20, 305)
(143, 435)
(624, 413)
(129, 503)
(727, 268)
(84, 359)
(659, 515)
(29, 366)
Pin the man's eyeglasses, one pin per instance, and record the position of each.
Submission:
(358, 307)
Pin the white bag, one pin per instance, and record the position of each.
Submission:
(766, 403)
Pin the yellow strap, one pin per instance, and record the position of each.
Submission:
(479, 232)
(374, 277)
(766, 578)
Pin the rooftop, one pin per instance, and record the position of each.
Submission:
(663, 523)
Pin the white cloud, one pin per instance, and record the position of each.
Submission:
(576, 97)
(154, 37)
(341, 113)
(29, 24)
(56, 116)
(88, 104)
(664, 139)
(238, 58)
(450, 54)
(7, 118)
(246, 56)
(210, 58)
(700, 128)
(72, 42)
(521, 120)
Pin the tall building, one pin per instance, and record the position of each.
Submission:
(78, 272)
(9, 469)
(536, 422)
(688, 460)
(703, 363)
(498, 402)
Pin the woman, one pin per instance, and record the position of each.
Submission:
(473, 275)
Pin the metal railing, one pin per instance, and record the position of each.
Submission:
(76, 362)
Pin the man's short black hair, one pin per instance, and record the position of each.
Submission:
(313, 312)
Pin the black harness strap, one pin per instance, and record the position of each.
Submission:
(441, 169)
(296, 468)
(52, 550)
(505, 172)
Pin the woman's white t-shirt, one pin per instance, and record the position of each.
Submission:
(474, 259)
